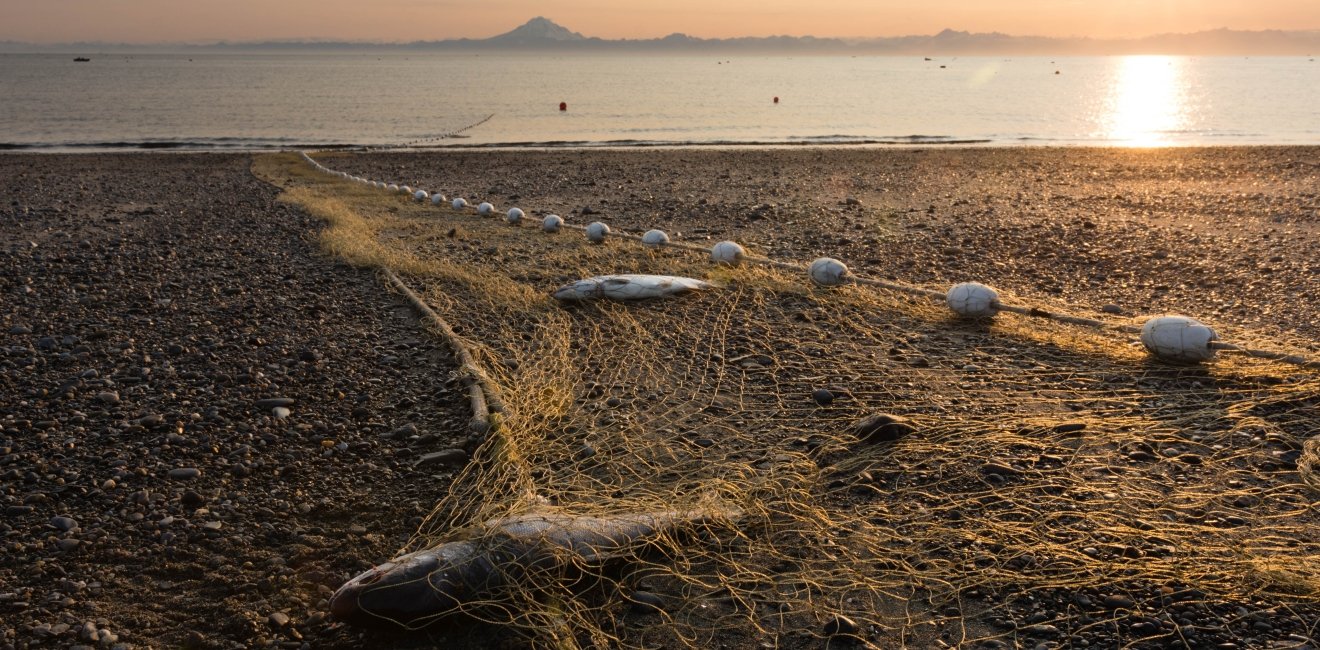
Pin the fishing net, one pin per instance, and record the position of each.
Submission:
(1042, 458)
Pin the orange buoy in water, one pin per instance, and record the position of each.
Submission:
(563, 106)
(776, 100)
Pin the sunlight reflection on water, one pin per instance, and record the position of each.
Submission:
(1148, 101)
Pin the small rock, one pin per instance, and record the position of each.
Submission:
(280, 412)
(1070, 427)
(841, 625)
(406, 431)
(443, 457)
(1111, 309)
(279, 620)
(20, 329)
(68, 544)
(184, 473)
(883, 427)
(1041, 630)
(272, 402)
(645, 602)
(63, 524)
(1119, 601)
(108, 397)
(822, 397)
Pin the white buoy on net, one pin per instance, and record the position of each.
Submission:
(421, 196)
(1179, 339)
(404, 189)
(392, 187)
(828, 272)
(596, 232)
(514, 215)
(437, 198)
(459, 203)
(485, 209)
(655, 238)
(973, 300)
(728, 252)
(552, 223)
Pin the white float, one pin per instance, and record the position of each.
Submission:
(1178, 338)
(628, 287)
(552, 223)
(404, 189)
(655, 238)
(596, 232)
(437, 198)
(485, 209)
(459, 203)
(392, 187)
(514, 215)
(421, 196)
(829, 272)
(973, 300)
(728, 252)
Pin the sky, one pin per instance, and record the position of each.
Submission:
(204, 21)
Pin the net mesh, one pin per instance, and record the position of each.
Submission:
(1044, 458)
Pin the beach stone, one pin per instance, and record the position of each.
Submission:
(273, 402)
(63, 524)
(841, 625)
(645, 602)
(1118, 601)
(280, 412)
(68, 544)
(278, 620)
(20, 329)
(184, 473)
(108, 397)
(883, 427)
(1111, 309)
(443, 457)
(822, 397)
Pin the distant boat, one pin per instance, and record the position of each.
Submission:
(81, 59)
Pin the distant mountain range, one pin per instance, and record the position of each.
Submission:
(541, 34)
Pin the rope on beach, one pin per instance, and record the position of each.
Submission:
(482, 394)
(1164, 337)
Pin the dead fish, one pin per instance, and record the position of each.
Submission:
(418, 588)
(629, 287)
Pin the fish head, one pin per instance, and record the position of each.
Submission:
(580, 290)
(414, 590)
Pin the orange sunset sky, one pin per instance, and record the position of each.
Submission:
(150, 21)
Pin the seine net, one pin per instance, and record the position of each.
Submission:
(1041, 459)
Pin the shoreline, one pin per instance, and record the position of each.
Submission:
(860, 142)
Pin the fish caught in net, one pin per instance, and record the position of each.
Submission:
(769, 459)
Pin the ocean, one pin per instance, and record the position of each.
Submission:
(252, 101)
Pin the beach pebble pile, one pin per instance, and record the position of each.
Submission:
(206, 424)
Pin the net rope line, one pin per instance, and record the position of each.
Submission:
(933, 294)
(436, 138)
(1174, 480)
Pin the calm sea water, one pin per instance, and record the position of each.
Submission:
(256, 101)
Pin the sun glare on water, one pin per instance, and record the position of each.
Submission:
(1147, 101)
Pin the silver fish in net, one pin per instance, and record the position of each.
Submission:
(501, 558)
(629, 287)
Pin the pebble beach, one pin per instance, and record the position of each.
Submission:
(207, 424)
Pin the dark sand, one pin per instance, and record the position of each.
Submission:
(150, 301)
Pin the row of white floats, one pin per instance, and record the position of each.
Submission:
(1171, 338)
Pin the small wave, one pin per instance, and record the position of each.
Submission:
(183, 144)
